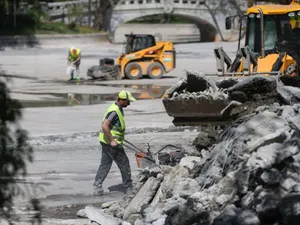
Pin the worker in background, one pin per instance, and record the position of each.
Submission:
(74, 58)
(111, 137)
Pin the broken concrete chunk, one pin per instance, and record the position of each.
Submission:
(247, 217)
(157, 198)
(108, 204)
(144, 196)
(238, 96)
(271, 176)
(226, 83)
(133, 217)
(254, 85)
(265, 204)
(81, 213)
(295, 122)
(203, 141)
(172, 179)
(290, 95)
(178, 87)
(101, 217)
(185, 187)
(289, 208)
(191, 162)
(126, 223)
(228, 216)
(277, 137)
(154, 171)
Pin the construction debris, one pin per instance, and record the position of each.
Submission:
(250, 176)
(246, 175)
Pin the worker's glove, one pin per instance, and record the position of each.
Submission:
(114, 144)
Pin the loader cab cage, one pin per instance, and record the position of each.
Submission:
(137, 42)
(274, 30)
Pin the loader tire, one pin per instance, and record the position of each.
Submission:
(133, 71)
(155, 70)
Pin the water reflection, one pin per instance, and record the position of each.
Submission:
(71, 99)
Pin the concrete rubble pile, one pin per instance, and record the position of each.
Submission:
(248, 176)
(195, 87)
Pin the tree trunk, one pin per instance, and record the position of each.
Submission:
(102, 6)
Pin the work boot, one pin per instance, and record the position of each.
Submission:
(98, 190)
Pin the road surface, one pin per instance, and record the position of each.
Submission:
(64, 136)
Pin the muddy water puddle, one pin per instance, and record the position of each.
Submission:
(71, 99)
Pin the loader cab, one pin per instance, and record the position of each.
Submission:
(266, 25)
(137, 42)
(274, 30)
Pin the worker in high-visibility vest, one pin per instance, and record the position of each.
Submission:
(111, 137)
(74, 58)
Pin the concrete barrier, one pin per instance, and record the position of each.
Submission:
(177, 33)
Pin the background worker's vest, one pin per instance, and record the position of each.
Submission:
(74, 56)
(116, 131)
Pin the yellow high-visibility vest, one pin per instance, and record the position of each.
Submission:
(74, 56)
(117, 131)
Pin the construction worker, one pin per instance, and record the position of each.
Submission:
(74, 57)
(111, 137)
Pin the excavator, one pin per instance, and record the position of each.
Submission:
(142, 56)
(272, 48)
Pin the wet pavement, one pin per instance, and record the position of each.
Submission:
(63, 170)
(70, 99)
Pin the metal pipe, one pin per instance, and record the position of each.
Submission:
(263, 53)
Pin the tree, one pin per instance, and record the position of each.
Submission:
(15, 153)
(102, 6)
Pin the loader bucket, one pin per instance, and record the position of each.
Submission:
(196, 113)
(199, 100)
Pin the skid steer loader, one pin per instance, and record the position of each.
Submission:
(272, 48)
(142, 56)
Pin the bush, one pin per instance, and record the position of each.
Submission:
(15, 154)
(72, 26)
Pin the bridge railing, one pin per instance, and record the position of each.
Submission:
(63, 9)
(144, 4)
(60, 8)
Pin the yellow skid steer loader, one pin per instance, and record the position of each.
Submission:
(142, 56)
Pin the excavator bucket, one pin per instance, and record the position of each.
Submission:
(202, 100)
(195, 113)
(195, 101)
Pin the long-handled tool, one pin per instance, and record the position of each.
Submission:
(147, 158)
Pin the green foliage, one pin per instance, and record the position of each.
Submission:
(35, 12)
(160, 18)
(72, 26)
(15, 153)
(61, 28)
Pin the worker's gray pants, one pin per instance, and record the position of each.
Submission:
(110, 154)
(77, 64)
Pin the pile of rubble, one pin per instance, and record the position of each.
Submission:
(249, 175)
(241, 95)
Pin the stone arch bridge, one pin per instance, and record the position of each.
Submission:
(207, 15)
